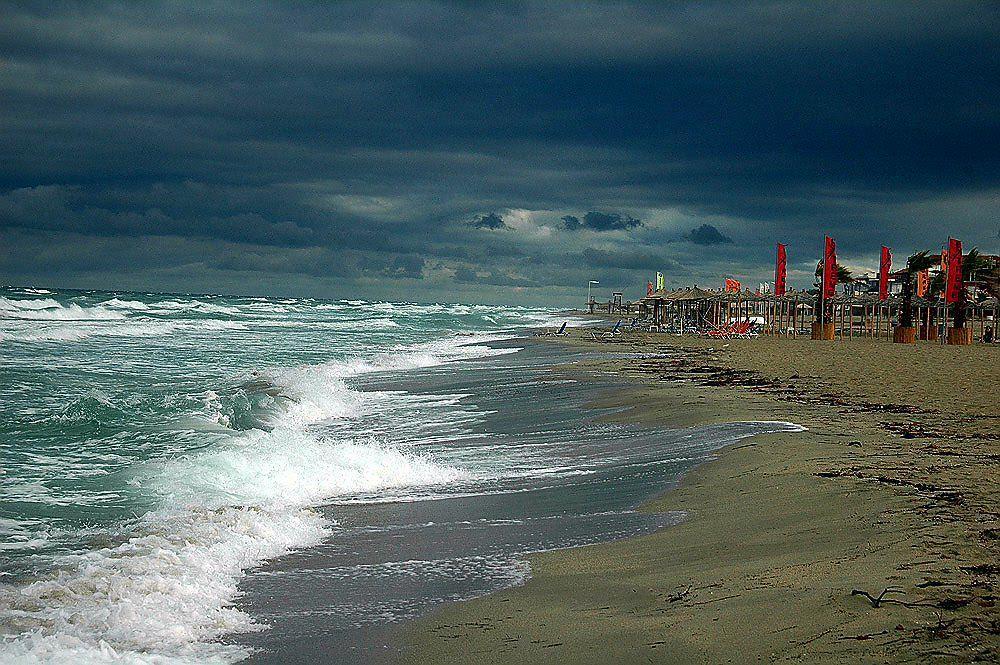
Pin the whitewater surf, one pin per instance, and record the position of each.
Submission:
(210, 478)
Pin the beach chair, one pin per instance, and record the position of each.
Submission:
(745, 330)
(722, 332)
(559, 333)
(609, 334)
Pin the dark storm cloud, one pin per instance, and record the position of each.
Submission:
(405, 265)
(706, 234)
(600, 221)
(261, 142)
(491, 221)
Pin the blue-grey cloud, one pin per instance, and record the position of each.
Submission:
(630, 260)
(491, 221)
(706, 234)
(600, 221)
(572, 223)
(327, 148)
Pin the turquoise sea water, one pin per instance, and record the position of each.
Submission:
(153, 447)
(191, 479)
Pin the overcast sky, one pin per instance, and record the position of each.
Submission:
(484, 153)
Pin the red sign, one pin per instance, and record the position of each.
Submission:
(953, 291)
(649, 288)
(732, 285)
(884, 266)
(830, 268)
(780, 271)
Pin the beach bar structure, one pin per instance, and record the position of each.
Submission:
(691, 309)
(867, 316)
(676, 310)
(857, 315)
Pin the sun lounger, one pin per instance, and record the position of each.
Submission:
(559, 333)
(738, 330)
(609, 334)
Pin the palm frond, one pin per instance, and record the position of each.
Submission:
(936, 286)
(973, 262)
(843, 274)
(920, 261)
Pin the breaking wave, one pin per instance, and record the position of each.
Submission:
(165, 593)
(47, 309)
(320, 392)
(163, 590)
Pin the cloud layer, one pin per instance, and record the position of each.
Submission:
(443, 151)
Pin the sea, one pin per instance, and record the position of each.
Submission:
(216, 479)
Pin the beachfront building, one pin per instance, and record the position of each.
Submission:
(867, 284)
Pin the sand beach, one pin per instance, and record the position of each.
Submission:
(870, 537)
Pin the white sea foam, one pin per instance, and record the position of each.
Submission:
(195, 306)
(126, 304)
(161, 596)
(165, 593)
(47, 309)
(361, 324)
(9, 305)
(56, 334)
(289, 468)
(50, 331)
(319, 392)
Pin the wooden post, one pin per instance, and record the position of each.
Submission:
(795, 316)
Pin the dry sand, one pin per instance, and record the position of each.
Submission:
(894, 486)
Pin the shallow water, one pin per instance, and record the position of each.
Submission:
(548, 476)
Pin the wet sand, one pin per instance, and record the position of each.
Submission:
(892, 492)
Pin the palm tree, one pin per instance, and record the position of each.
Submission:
(971, 263)
(918, 262)
(991, 280)
(843, 277)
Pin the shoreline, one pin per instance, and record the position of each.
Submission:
(784, 530)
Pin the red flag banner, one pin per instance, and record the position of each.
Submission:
(884, 267)
(923, 282)
(732, 285)
(649, 288)
(953, 292)
(830, 268)
(780, 271)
